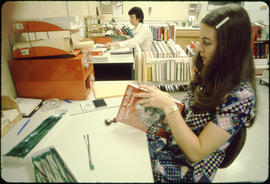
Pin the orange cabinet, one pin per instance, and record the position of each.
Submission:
(58, 77)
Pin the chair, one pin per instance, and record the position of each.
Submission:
(234, 148)
(9, 103)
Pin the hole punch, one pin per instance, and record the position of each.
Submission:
(108, 121)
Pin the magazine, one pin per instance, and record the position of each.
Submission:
(149, 119)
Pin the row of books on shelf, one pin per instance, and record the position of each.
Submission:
(166, 69)
(167, 49)
(260, 41)
(260, 49)
(163, 32)
(259, 32)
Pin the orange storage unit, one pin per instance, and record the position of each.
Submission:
(59, 77)
(30, 51)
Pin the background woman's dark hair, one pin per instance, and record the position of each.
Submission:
(138, 12)
(231, 63)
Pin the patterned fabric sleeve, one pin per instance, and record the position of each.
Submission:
(238, 108)
(185, 97)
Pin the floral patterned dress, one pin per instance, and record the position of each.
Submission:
(169, 163)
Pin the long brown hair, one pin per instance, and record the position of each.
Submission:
(231, 63)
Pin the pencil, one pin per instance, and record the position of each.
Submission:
(67, 101)
(23, 126)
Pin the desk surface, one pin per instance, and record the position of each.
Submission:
(119, 152)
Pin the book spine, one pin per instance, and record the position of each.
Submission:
(149, 72)
(162, 33)
(154, 78)
(173, 32)
(160, 53)
(162, 49)
(168, 51)
(164, 70)
(178, 71)
(266, 50)
(168, 70)
(154, 50)
(158, 71)
(262, 50)
(172, 70)
(172, 46)
(182, 71)
(257, 46)
(166, 34)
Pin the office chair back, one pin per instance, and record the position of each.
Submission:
(234, 148)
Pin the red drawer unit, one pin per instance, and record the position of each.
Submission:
(62, 78)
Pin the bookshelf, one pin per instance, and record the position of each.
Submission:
(169, 72)
(260, 48)
(163, 31)
(173, 72)
(94, 26)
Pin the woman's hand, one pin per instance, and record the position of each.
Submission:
(154, 97)
(111, 44)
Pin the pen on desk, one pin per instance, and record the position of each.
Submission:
(87, 143)
(23, 126)
(89, 154)
(67, 101)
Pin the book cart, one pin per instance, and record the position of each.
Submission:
(48, 70)
(180, 73)
(167, 73)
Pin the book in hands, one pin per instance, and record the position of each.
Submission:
(149, 119)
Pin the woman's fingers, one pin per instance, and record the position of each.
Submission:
(148, 88)
(142, 101)
(142, 95)
(145, 102)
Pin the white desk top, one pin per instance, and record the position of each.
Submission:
(119, 152)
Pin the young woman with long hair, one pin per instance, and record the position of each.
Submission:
(220, 101)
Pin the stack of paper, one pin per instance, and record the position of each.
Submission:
(65, 44)
(106, 57)
(116, 51)
(113, 90)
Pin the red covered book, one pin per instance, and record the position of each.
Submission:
(149, 119)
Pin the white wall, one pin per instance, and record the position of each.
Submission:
(257, 11)
(162, 11)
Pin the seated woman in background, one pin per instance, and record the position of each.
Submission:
(220, 101)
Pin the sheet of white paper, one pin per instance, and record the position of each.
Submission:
(27, 105)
